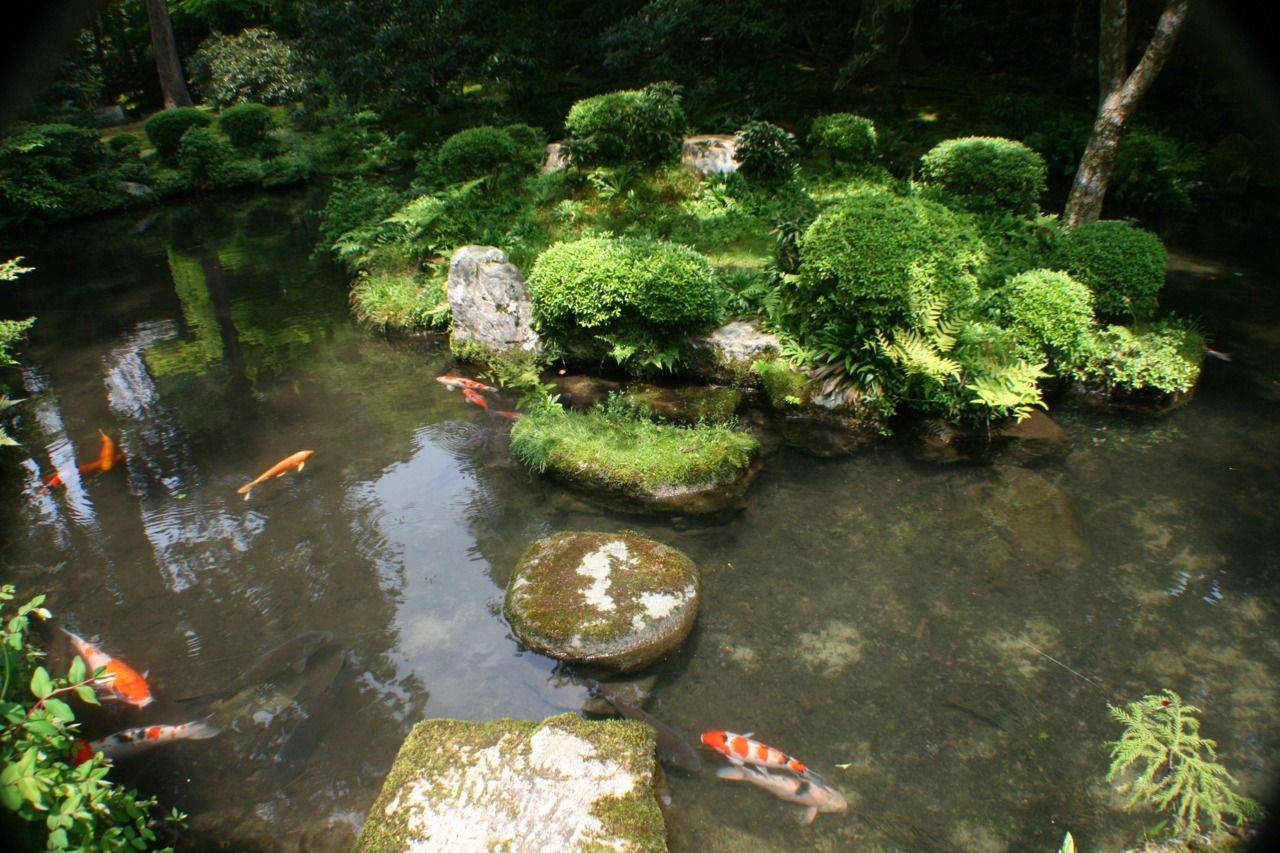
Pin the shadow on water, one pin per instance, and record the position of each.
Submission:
(952, 634)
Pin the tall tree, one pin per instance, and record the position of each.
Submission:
(168, 66)
(1119, 94)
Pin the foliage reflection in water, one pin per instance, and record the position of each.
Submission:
(953, 634)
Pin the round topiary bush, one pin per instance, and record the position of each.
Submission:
(203, 154)
(639, 125)
(1122, 264)
(632, 291)
(245, 124)
(476, 152)
(765, 150)
(532, 141)
(987, 173)
(125, 145)
(876, 260)
(1048, 310)
(165, 129)
(844, 137)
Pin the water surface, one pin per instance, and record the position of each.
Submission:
(952, 632)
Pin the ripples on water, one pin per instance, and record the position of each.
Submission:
(952, 633)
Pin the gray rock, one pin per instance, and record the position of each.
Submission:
(557, 158)
(490, 303)
(562, 784)
(108, 116)
(134, 189)
(616, 601)
(725, 355)
(710, 154)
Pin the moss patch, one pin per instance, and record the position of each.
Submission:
(784, 384)
(686, 405)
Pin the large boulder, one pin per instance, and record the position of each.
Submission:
(562, 784)
(613, 600)
(710, 153)
(490, 303)
(726, 355)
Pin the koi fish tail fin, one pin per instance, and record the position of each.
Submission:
(246, 491)
(201, 730)
(809, 815)
(732, 773)
(302, 465)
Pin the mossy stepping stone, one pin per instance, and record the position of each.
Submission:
(564, 783)
(613, 600)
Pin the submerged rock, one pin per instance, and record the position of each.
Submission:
(616, 601)
(562, 784)
(1034, 516)
(1145, 402)
(817, 420)
(726, 355)
(490, 303)
(710, 153)
(1034, 437)
(582, 391)
(687, 404)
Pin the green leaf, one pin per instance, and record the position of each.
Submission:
(60, 709)
(10, 797)
(41, 684)
(87, 694)
(58, 840)
(29, 788)
(78, 669)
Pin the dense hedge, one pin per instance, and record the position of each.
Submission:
(165, 129)
(50, 172)
(1122, 264)
(987, 173)
(477, 152)
(245, 124)
(765, 150)
(210, 161)
(530, 140)
(876, 259)
(639, 288)
(844, 137)
(638, 125)
(1049, 311)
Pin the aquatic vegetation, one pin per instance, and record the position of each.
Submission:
(637, 125)
(637, 296)
(1122, 264)
(166, 128)
(401, 301)
(844, 138)
(1050, 311)
(986, 173)
(615, 446)
(1177, 768)
(62, 802)
(765, 151)
(245, 124)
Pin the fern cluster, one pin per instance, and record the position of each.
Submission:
(1177, 767)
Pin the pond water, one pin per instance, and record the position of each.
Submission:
(953, 633)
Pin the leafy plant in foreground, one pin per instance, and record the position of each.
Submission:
(10, 332)
(1177, 767)
(75, 807)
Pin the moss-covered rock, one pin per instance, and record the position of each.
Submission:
(726, 355)
(616, 601)
(685, 404)
(813, 419)
(562, 784)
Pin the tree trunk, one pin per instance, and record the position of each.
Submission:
(1120, 97)
(172, 83)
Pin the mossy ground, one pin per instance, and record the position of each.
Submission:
(785, 385)
(687, 405)
(629, 453)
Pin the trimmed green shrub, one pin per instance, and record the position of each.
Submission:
(1162, 359)
(255, 65)
(986, 173)
(125, 145)
(292, 168)
(475, 153)
(638, 125)
(1018, 244)
(636, 294)
(203, 154)
(844, 137)
(876, 260)
(1122, 264)
(1049, 311)
(532, 142)
(166, 128)
(245, 124)
(765, 150)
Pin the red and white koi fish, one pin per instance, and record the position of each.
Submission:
(508, 414)
(1218, 354)
(130, 742)
(741, 749)
(453, 381)
(284, 466)
(120, 680)
(108, 456)
(810, 793)
(475, 399)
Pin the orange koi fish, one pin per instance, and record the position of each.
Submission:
(453, 381)
(284, 466)
(741, 749)
(108, 456)
(508, 414)
(475, 399)
(120, 680)
(130, 742)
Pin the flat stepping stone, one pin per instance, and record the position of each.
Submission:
(613, 600)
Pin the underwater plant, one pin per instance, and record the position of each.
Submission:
(1178, 771)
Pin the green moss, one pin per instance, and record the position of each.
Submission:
(688, 405)
(785, 384)
(606, 447)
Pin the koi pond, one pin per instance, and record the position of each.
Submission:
(940, 641)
